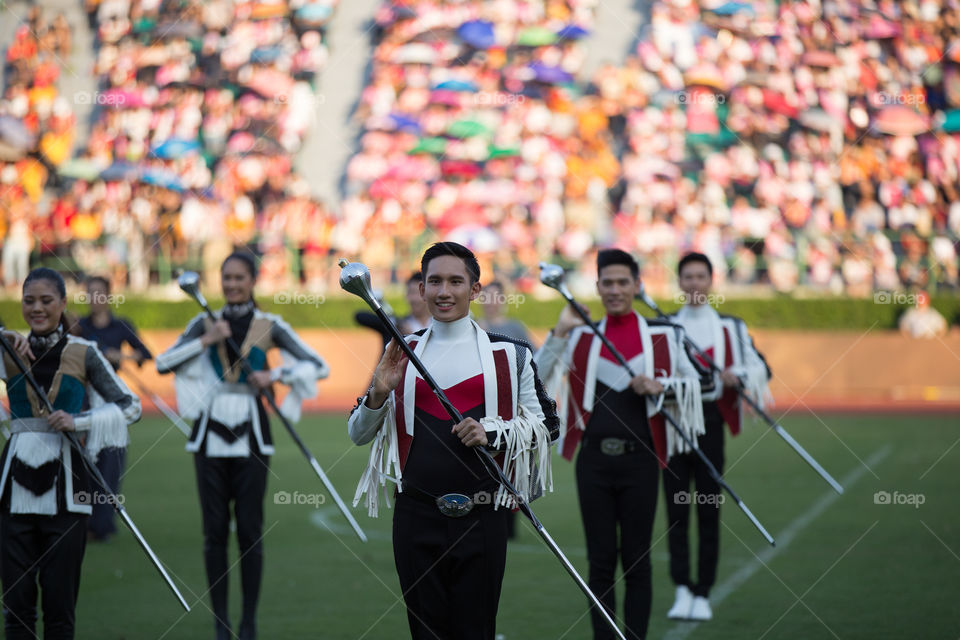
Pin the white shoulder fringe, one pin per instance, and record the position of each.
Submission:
(526, 456)
(384, 457)
(687, 410)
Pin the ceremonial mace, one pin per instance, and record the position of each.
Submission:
(92, 468)
(647, 300)
(552, 276)
(355, 279)
(189, 282)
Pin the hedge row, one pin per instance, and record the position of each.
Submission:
(309, 310)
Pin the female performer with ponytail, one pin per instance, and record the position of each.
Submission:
(231, 434)
(45, 490)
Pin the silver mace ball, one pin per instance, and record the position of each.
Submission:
(355, 279)
(189, 282)
(552, 275)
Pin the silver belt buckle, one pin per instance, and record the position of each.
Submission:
(454, 505)
(613, 446)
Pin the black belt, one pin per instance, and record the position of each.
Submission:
(452, 505)
(614, 446)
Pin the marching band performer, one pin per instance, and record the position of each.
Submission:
(725, 341)
(623, 439)
(46, 490)
(449, 525)
(231, 439)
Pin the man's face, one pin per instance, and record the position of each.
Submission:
(447, 289)
(617, 287)
(695, 281)
(415, 299)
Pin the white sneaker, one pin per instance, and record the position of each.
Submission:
(700, 610)
(682, 604)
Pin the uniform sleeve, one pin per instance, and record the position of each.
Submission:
(131, 337)
(284, 337)
(186, 348)
(364, 422)
(106, 425)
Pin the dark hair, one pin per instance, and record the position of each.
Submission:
(246, 258)
(98, 280)
(43, 273)
(457, 251)
(496, 284)
(694, 257)
(608, 257)
(416, 276)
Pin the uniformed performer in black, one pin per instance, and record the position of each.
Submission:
(110, 333)
(725, 341)
(231, 439)
(46, 490)
(449, 525)
(623, 441)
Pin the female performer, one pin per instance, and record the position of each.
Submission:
(46, 490)
(231, 433)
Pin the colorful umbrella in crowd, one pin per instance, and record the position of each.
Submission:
(457, 85)
(536, 37)
(459, 169)
(404, 123)
(120, 171)
(265, 55)
(477, 33)
(314, 13)
(80, 169)
(15, 133)
(162, 178)
(434, 146)
(445, 97)
(951, 121)
(550, 75)
(572, 32)
(503, 152)
(731, 8)
(173, 148)
(900, 120)
(467, 129)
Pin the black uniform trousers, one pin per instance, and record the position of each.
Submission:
(44, 551)
(676, 480)
(111, 463)
(242, 481)
(619, 491)
(450, 569)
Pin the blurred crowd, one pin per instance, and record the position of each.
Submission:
(803, 146)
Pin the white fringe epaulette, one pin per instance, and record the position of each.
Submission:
(756, 386)
(384, 456)
(108, 428)
(686, 409)
(526, 455)
(302, 378)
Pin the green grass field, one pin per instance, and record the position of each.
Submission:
(845, 567)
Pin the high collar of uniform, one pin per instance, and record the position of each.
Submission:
(238, 310)
(454, 330)
(46, 341)
(624, 320)
(699, 311)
